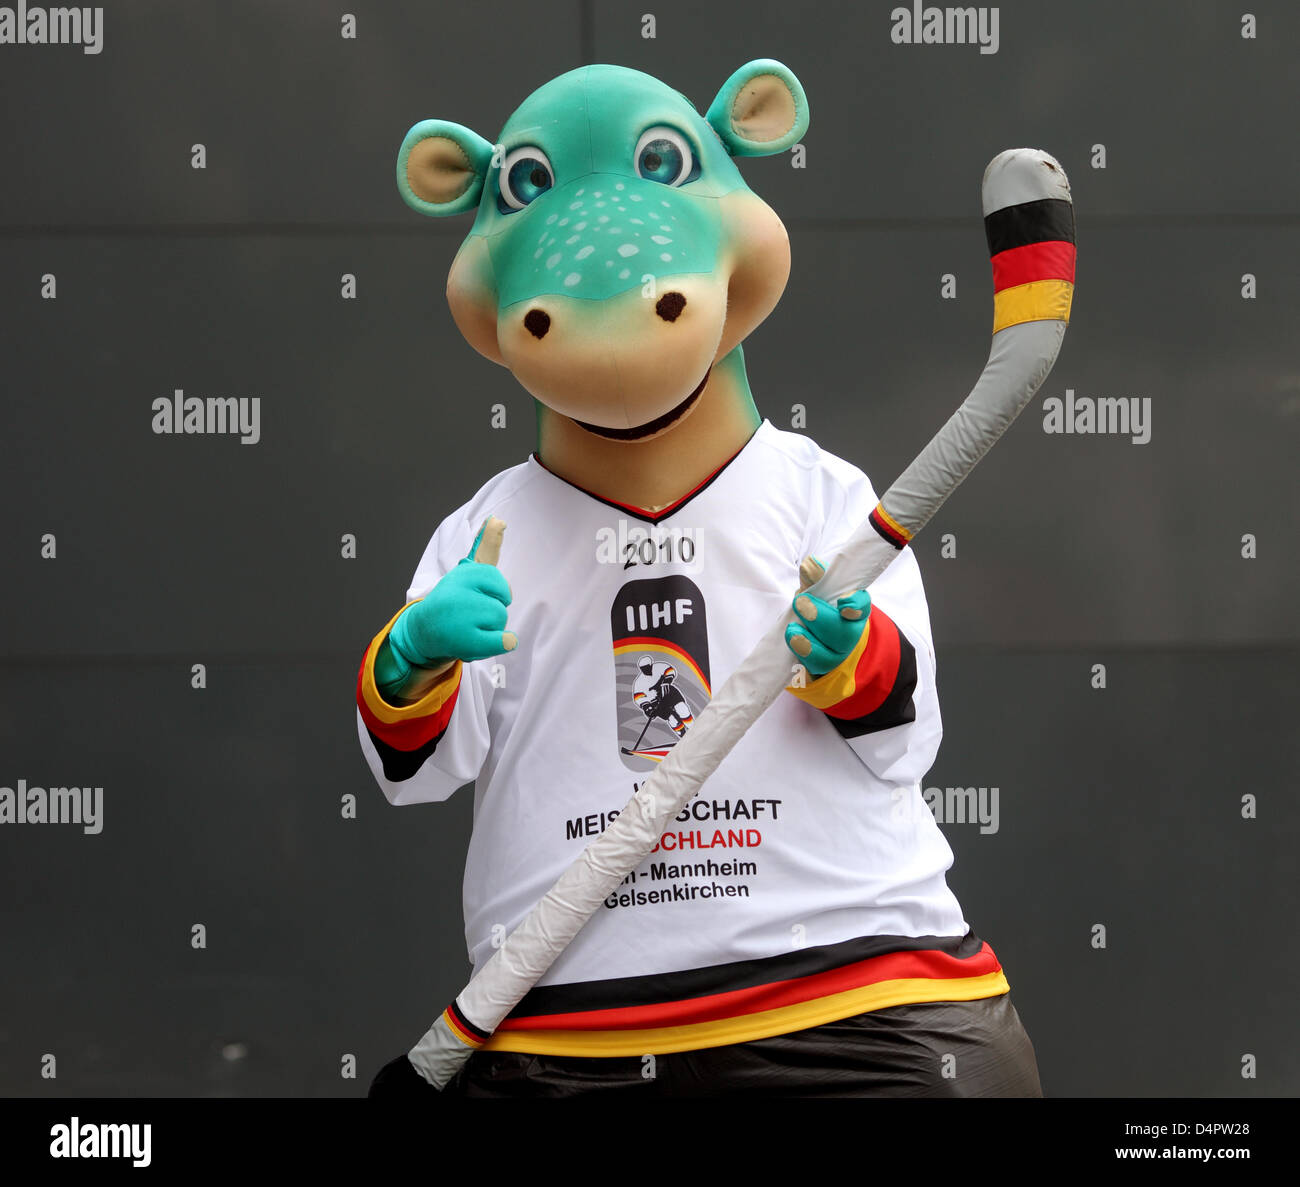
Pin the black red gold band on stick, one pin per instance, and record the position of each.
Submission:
(1031, 245)
(1029, 222)
(463, 1029)
(1040, 300)
(889, 528)
(1052, 259)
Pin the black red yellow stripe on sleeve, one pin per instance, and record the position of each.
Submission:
(1032, 250)
(404, 735)
(872, 689)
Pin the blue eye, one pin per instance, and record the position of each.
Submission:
(525, 175)
(664, 155)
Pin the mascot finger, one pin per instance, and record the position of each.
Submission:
(817, 658)
(828, 624)
(486, 549)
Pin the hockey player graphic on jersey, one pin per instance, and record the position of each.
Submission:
(660, 637)
(793, 933)
(658, 698)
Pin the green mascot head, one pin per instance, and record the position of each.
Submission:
(617, 256)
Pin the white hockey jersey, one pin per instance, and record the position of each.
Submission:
(805, 882)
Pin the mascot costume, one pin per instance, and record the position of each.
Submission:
(786, 929)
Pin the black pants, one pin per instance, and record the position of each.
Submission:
(937, 1049)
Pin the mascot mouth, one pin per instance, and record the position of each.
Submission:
(651, 426)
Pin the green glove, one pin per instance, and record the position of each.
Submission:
(463, 617)
(829, 632)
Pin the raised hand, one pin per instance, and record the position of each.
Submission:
(828, 633)
(464, 616)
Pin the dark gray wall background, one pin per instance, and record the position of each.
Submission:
(329, 936)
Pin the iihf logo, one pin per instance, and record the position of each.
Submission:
(661, 666)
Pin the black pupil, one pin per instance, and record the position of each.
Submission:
(653, 160)
(538, 176)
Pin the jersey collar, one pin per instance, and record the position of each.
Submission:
(673, 507)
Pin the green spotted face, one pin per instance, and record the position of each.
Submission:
(599, 237)
(630, 176)
(616, 253)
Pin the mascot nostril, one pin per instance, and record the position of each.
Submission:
(670, 306)
(537, 323)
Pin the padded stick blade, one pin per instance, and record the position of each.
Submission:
(1029, 224)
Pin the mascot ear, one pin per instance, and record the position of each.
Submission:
(441, 168)
(760, 110)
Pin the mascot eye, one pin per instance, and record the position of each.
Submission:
(526, 174)
(664, 155)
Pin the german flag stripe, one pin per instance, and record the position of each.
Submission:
(898, 707)
(652, 755)
(409, 727)
(841, 682)
(756, 999)
(463, 1029)
(1039, 300)
(380, 709)
(405, 727)
(877, 670)
(1050, 260)
(401, 765)
(654, 989)
(889, 528)
(414, 734)
(1029, 222)
(745, 1028)
(385, 714)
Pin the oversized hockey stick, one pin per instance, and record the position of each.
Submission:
(1029, 221)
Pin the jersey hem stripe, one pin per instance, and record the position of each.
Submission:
(747, 1028)
(754, 999)
(656, 988)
